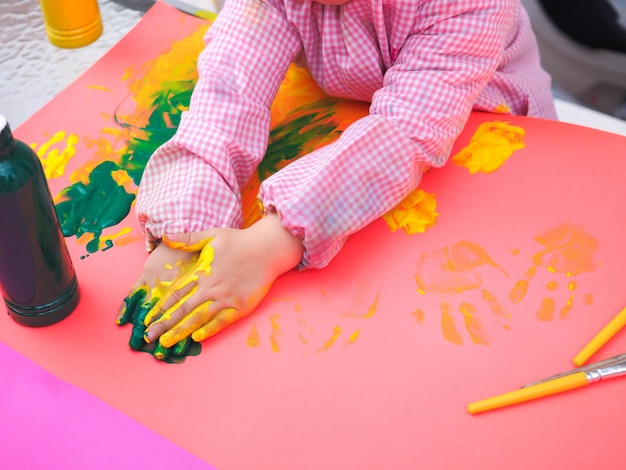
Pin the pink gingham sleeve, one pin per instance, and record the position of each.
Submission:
(193, 181)
(423, 104)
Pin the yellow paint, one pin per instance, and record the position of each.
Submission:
(328, 344)
(473, 325)
(353, 337)
(122, 232)
(275, 334)
(415, 214)
(100, 88)
(254, 339)
(53, 160)
(419, 316)
(546, 311)
(450, 333)
(572, 286)
(490, 147)
(146, 81)
(201, 267)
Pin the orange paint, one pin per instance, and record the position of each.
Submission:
(495, 306)
(546, 311)
(450, 333)
(568, 249)
(452, 270)
(418, 315)
(552, 285)
(473, 325)
(518, 292)
(588, 299)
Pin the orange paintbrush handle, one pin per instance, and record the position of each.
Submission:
(601, 338)
(562, 384)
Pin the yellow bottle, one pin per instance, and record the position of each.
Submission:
(71, 23)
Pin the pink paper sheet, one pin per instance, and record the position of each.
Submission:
(47, 423)
(353, 366)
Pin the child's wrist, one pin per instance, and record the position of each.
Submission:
(284, 248)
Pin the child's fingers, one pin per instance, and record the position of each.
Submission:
(131, 304)
(224, 318)
(184, 328)
(174, 296)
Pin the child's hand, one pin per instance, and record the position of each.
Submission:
(232, 275)
(161, 267)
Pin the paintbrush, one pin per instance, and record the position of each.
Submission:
(609, 368)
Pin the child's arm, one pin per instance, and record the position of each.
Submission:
(427, 95)
(193, 182)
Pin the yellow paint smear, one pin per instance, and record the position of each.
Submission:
(353, 337)
(254, 339)
(275, 334)
(54, 160)
(329, 343)
(490, 147)
(415, 214)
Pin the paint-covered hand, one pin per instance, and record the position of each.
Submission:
(232, 275)
(160, 269)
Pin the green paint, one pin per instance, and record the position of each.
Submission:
(139, 329)
(92, 207)
(298, 134)
(131, 305)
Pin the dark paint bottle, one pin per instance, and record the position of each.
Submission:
(37, 277)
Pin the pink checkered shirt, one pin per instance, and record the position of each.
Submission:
(423, 65)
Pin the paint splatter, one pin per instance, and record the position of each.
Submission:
(490, 147)
(328, 344)
(275, 334)
(53, 158)
(415, 214)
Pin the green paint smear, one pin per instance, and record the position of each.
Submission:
(101, 203)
